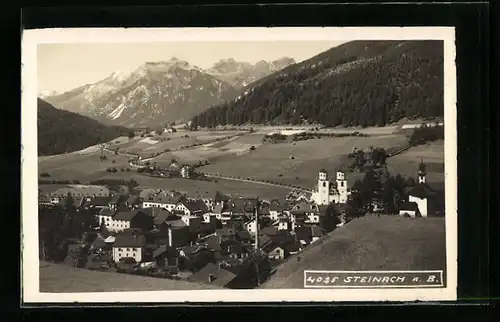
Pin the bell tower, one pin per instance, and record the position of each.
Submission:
(342, 187)
(323, 187)
(422, 172)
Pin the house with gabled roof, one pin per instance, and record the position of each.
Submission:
(214, 274)
(162, 199)
(192, 207)
(167, 258)
(129, 246)
(98, 202)
(121, 220)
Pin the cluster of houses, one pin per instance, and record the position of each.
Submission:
(210, 238)
(168, 231)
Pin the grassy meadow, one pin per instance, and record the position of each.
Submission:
(370, 243)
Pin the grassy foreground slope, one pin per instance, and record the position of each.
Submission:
(56, 278)
(370, 243)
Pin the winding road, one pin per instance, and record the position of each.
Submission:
(139, 160)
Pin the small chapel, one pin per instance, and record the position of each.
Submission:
(328, 191)
(428, 200)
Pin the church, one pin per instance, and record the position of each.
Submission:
(428, 200)
(327, 191)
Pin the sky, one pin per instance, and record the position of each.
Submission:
(65, 66)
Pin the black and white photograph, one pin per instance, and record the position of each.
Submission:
(239, 164)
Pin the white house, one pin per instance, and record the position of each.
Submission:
(192, 207)
(129, 246)
(327, 192)
(166, 200)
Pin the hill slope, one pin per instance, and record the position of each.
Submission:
(62, 131)
(370, 243)
(155, 94)
(357, 83)
(57, 278)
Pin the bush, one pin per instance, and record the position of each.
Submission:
(252, 148)
(45, 174)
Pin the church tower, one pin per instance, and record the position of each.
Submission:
(342, 187)
(422, 172)
(323, 188)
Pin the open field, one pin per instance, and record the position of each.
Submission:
(370, 243)
(73, 166)
(147, 146)
(212, 151)
(56, 278)
(431, 153)
(269, 161)
(197, 187)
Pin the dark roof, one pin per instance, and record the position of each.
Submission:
(133, 199)
(177, 223)
(422, 190)
(212, 242)
(172, 198)
(164, 249)
(304, 233)
(222, 277)
(292, 247)
(161, 216)
(410, 206)
(126, 215)
(99, 201)
(269, 230)
(99, 243)
(107, 212)
(195, 205)
(115, 199)
(244, 235)
(129, 240)
(316, 231)
(221, 197)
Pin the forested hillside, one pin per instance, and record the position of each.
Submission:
(365, 83)
(62, 131)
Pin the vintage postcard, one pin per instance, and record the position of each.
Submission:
(239, 164)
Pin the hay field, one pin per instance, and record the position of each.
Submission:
(74, 166)
(147, 146)
(370, 243)
(268, 161)
(57, 278)
(212, 151)
(195, 187)
(431, 153)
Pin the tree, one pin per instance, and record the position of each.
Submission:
(329, 220)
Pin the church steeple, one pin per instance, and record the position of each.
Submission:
(422, 171)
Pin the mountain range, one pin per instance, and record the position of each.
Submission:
(158, 93)
(365, 83)
(62, 131)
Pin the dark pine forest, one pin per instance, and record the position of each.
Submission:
(365, 83)
(62, 131)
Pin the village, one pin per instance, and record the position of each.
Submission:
(229, 241)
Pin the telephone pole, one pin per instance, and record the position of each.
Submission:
(257, 249)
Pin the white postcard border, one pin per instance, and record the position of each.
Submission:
(29, 162)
